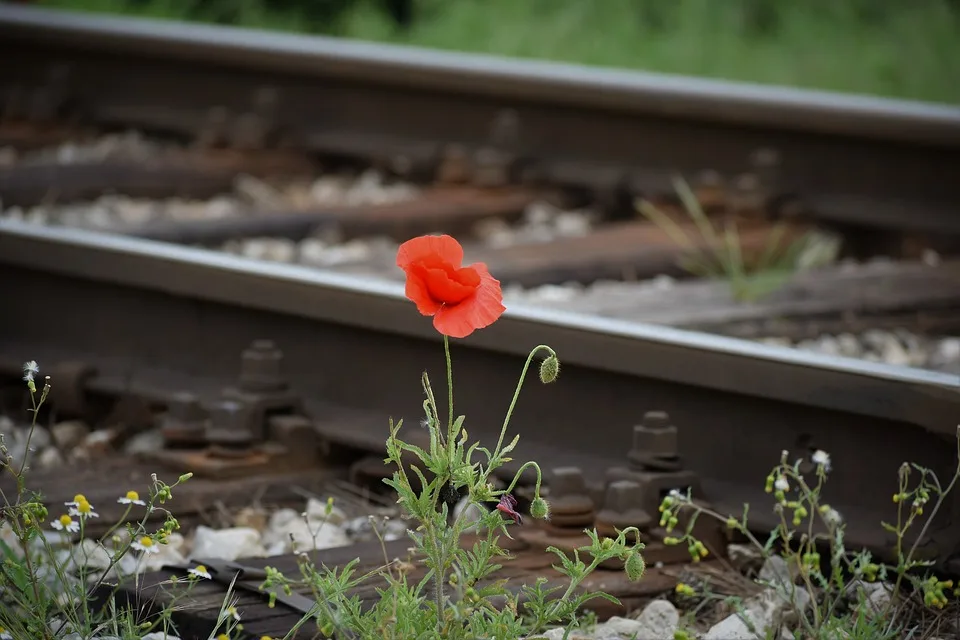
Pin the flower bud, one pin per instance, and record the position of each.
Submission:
(549, 369)
(539, 509)
(635, 566)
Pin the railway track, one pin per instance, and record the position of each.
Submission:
(858, 161)
(351, 347)
(481, 139)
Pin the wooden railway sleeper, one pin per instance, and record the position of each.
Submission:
(69, 394)
(246, 579)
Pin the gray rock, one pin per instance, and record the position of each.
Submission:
(872, 597)
(70, 433)
(763, 613)
(777, 574)
(745, 557)
(145, 442)
(227, 544)
(659, 619)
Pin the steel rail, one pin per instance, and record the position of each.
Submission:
(149, 314)
(849, 159)
(577, 85)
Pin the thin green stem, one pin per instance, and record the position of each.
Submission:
(516, 393)
(446, 353)
(516, 477)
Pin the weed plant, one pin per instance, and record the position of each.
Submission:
(459, 596)
(719, 254)
(53, 573)
(829, 591)
(445, 588)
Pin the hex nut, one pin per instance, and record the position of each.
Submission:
(260, 367)
(622, 505)
(228, 426)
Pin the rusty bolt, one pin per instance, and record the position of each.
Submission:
(228, 433)
(622, 506)
(185, 408)
(568, 492)
(260, 368)
(655, 443)
(185, 422)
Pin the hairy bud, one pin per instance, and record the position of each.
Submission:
(549, 369)
(635, 566)
(539, 509)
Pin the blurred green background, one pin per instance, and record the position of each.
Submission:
(896, 48)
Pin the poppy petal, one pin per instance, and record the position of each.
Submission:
(450, 288)
(477, 312)
(444, 247)
(417, 291)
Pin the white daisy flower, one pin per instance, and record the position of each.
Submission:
(4, 634)
(77, 499)
(132, 497)
(781, 484)
(83, 509)
(30, 370)
(821, 458)
(233, 612)
(200, 571)
(146, 545)
(66, 523)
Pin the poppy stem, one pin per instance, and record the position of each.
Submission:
(516, 393)
(446, 350)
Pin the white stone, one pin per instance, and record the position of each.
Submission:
(777, 574)
(572, 224)
(894, 353)
(619, 626)
(659, 619)
(764, 612)
(292, 535)
(873, 597)
(849, 345)
(155, 561)
(317, 513)
(744, 556)
(69, 433)
(227, 544)
(49, 458)
(270, 249)
(145, 442)
(92, 555)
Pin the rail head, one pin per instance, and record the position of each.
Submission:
(925, 398)
(730, 103)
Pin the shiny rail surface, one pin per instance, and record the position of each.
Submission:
(845, 159)
(157, 319)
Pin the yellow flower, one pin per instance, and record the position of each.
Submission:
(77, 499)
(66, 523)
(83, 509)
(132, 497)
(146, 545)
(200, 571)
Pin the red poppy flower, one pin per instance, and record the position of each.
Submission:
(460, 299)
(508, 506)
